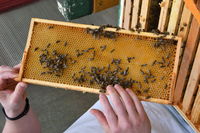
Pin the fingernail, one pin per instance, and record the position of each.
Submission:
(109, 86)
(91, 111)
(24, 85)
(15, 75)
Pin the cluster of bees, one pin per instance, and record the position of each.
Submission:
(56, 63)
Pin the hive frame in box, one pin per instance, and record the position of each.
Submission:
(180, 18)
(84, 89)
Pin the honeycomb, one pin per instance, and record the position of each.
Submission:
(126, 45)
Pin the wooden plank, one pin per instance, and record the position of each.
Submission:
(26, 49)
(175, 70)
(194, 9)
(127, 14)
(195, 115)
(135, 13)
(99, 5)
(121, 14)
(188, 57)
(192, 83)
(163, 19)
(144, 14)
(185, 23)
(194, 127)
(184, 28)
(175, 16)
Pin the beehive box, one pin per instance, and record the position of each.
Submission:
(67, 38)
(180, 18)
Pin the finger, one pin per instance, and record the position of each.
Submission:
(5, 68)
(19, 90)
(17, 67)
(8, 75)
(137, 102)
(108, 111)
(101, 118)
(118, 105)
(129, 103)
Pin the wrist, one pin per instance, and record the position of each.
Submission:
(13, 112)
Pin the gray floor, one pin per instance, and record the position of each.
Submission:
(57, 109)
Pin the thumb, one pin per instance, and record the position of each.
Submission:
(101, 118)
(19, 91)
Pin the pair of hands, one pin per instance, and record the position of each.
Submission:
(126, 116)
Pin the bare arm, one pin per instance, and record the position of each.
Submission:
(12, 98)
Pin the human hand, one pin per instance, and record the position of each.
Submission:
(127, 114)
(12, 93)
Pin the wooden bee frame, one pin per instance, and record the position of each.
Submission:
(182, 19)
(36, 22)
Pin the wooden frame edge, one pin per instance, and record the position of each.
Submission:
(186, 118)
(19, 78)
(175, 70)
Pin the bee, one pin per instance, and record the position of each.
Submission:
(112, 50)
(140, 85)
(142, 72)
(102, 90)
(147, 97)
(42, 73)
(162, 66)
(181, 29)
(163, 59)
(146, 80)
(36, 48)
(162, 77)
(168, 55)
(57, 41)
(185, 24)
(48, 45)
(50, 27)
(143, 65)
(146, 90)
(91, 59)
(154, 62)
(154, 80)
(103, 47)
(165, 87)
(130, 58)
(58, 75)
(118, 28)
(65, 44)
(138, 92)
(132, 29)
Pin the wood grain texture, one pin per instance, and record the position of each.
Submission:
(164, 18)
(175, 16)
(184, 26)
(175, 71)
(121, 14)
(145, 13)
(188, 57)
(135, 13)
(127, 14)
(193, 8)
(195, 115)
(192, 83)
